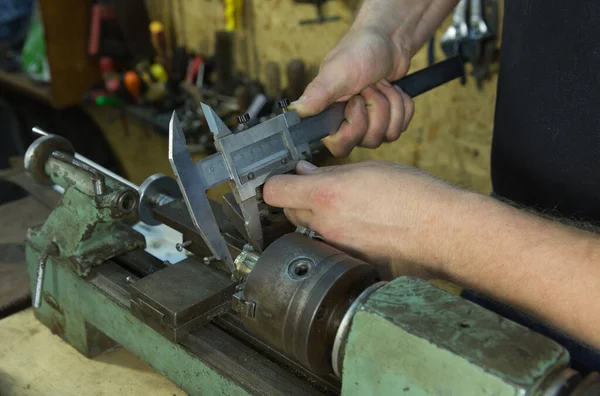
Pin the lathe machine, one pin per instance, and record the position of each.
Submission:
(258, 306)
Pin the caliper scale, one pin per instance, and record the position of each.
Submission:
(247, 158)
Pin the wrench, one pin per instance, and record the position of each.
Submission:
(458, 31)
(477, 25)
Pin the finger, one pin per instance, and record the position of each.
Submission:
(409, 108)
(378, 110)
(352, 130)
(334, 81)
(395, 100)
(299, 217)
(288, 191)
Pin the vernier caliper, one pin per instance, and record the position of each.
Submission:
(247, 158)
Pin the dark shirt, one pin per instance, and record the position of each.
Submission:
(546, 145)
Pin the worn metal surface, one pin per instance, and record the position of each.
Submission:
(88, 227)
(411, 337)
(40, 151)
(91, 314)
(297, 294)
(181, 297)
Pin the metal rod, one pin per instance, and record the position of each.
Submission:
(91, 163)
(51, 250)
(97, 177)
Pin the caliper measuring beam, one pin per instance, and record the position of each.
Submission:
(247, 158)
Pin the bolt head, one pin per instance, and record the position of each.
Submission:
(283, 103)
(244, 118)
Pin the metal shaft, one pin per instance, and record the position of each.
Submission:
(91, 163)
(51, 250)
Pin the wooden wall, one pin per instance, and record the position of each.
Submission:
(450, 134)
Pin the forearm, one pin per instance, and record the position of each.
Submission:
(409, 22)
(545, 268)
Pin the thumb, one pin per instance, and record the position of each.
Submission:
(334, 82)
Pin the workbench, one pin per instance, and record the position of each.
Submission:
(33, 361)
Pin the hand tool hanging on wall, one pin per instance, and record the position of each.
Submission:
(248, 158)
(473, 35)
(321, 18)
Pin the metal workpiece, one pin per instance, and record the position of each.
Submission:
(244, 263)
(156, 190)
(296, 296)
(39, 152)
(411, 335)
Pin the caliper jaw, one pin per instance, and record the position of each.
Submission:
(193, 185)
(245, 159)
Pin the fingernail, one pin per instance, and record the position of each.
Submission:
(386, 83)
(305, 166)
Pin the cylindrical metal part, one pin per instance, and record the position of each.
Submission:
(86, 160)
(301, 289)
(244, 263)
(40, 151)
(339, 343)
(296, 77)
(272, 80)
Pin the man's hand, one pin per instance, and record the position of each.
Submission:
(359, 70)
(408, 223)
(376, 50)
(379, 211)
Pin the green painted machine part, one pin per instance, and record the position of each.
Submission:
(95, 287)
(412, 338)
(88, 228)
(89, 319)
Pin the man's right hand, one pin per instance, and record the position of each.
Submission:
(376, 50)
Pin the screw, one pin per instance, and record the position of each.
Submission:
(251, 176)
(243, 119)
(181, 246)
(283, 161)
(207, 260)
(283, 104)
